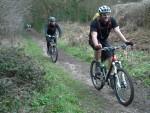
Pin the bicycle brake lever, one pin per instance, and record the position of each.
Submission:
(123, 46)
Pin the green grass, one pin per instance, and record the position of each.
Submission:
(62, 94)
(137, 63)
(139, 66)
(58, 95)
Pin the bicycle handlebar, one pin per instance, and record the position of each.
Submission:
(52, 36)
(113, 48)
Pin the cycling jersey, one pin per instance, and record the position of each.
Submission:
(51, 29)
(103, 29)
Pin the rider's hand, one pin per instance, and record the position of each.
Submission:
(129, 43)
(99, 46)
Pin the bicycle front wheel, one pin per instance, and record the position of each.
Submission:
(124, 89)
(54, 53)
(98, 80)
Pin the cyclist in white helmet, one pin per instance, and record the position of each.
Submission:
(99, 32)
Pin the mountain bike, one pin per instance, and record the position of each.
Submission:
(53, 51)
(116, 77)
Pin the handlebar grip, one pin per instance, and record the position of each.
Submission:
(129, 43)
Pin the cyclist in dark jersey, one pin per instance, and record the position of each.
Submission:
(51, 29)
(99, 31)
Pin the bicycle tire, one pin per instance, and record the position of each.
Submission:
(129, 84)
(53, 54)
(94, 77)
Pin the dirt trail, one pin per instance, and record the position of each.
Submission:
(80, 71)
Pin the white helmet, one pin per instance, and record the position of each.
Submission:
(104, 9)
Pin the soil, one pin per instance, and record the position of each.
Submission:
(79, 70)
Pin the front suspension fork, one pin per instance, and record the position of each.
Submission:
(117, 65)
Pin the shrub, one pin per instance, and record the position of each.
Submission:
(20, 75)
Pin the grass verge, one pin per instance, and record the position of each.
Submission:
(61, 94)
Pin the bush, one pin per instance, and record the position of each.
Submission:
(20, 75)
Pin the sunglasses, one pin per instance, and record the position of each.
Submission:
(105, 14)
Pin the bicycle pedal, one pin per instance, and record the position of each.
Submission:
(97, 75)
(100, 77)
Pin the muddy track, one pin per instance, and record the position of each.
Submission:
(80, 71)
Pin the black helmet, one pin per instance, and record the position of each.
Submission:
(52, 19)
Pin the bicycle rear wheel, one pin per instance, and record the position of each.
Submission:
(53, 53)
(98, 80)
(124, 89)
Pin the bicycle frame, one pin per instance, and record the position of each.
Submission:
(53, 47)
(113, 66)
(52, 39)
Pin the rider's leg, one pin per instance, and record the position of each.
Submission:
(97, 55)
(97, 58)
(109, 62)
(106, 55)
(111, 74)
(112, 71)
(55, 40)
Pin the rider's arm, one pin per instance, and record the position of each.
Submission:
(94, 34)
(59, 30)
(118, 32)
(45, 30)
(94, 38)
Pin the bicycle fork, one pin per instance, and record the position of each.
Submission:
(123, 81)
